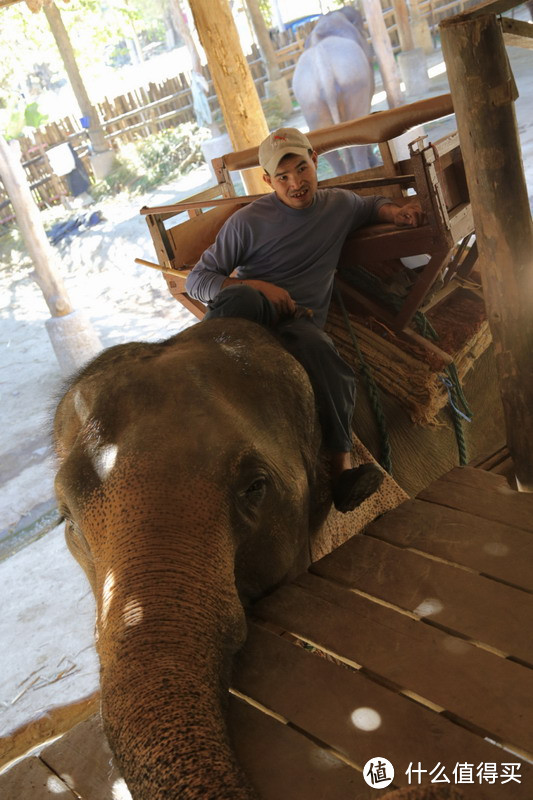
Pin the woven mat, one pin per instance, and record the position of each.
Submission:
(412, 374)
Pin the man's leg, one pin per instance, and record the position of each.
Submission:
(245, 302)
(333, 382)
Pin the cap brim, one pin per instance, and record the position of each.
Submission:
(272, 165)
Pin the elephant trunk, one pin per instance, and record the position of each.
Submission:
(169, 623)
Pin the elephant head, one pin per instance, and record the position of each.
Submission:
(187, 473)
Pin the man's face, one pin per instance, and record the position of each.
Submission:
(295, 180)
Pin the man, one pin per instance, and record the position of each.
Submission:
(285, 248)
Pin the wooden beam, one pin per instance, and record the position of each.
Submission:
(483, 92)
(517, 33)
(237, 95)
(485, 7)
(378, 127)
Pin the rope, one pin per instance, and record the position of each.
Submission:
(373, 392)
(456, 396)
(366, 281)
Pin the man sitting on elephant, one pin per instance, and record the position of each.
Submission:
(284, 248)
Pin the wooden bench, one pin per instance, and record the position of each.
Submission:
(433, 171)
(410, 642)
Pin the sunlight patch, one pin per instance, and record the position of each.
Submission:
(428, 607)
(56, 786)
(366, 719)
(80, 406)
(120, 791)
(107, 595)
(104, 460)
(133, 613)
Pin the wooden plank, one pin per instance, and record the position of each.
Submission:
(441, 594)
(191, 238)
(491, 548)
(491, 500)
(517, 33)
(348, 711)
(32, 780)
(476, 478)
(282, 763)
(485, 7)
(84, 761)
(477, 687)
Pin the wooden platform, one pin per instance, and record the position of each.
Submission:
(423, 655)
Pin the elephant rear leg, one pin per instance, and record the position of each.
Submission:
(336, 163)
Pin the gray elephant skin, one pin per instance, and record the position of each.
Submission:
(187, 473)
(333, 80)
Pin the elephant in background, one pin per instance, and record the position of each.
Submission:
(191, 481)
(333, 81)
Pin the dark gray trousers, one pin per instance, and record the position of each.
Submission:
(333, 381)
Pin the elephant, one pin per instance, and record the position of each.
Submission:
(192, 481)
(333, 81)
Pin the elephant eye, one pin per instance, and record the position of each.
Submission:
(256, 489)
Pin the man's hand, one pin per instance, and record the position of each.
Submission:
(408, 216)
(285, 305)
(280, 298)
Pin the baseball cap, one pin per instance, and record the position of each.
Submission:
(280, 143)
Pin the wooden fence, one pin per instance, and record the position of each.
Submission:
(152, 108)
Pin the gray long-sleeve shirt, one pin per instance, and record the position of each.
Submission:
(297, 249)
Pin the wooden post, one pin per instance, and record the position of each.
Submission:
(233, 82)
(401, 15)
(71, 334)
(31, 228)
(420, 28)
(276, 85)
(483, 94)
(383, 49)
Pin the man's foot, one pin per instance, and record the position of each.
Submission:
(353, 486)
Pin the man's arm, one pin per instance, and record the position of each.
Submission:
(407, 216)
(211, 273)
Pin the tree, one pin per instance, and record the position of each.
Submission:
(103, 158)
(276, 85)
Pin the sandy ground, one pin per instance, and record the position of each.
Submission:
(46, 627)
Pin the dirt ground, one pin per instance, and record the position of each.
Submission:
(46, 625)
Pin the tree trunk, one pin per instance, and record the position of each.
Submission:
(96, 133)
(31, 228)
(383, 50)
(233, 82)
(72, 337)
(483, 94)
(276, 85)
(183, 29)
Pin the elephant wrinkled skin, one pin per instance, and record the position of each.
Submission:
(187, 474)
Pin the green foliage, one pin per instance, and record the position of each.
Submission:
(266, 11)
(33, 117)
(273, 113)
(150, 162)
